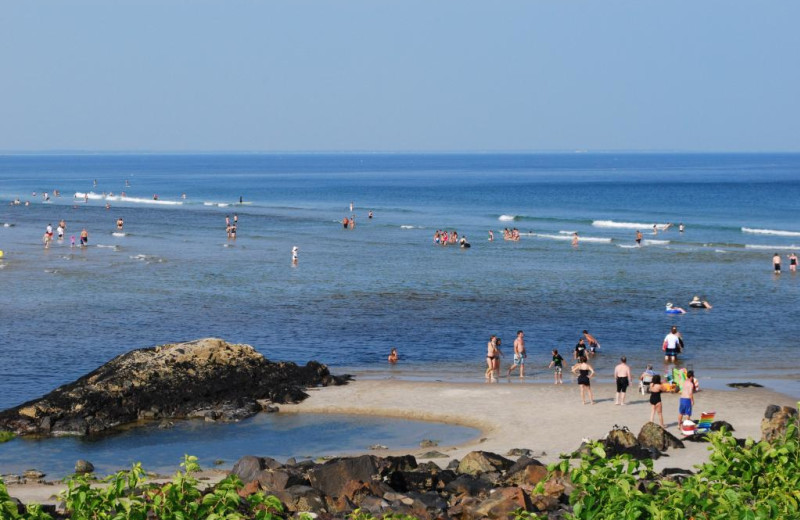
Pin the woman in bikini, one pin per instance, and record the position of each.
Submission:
(492, 354)
(655, 399)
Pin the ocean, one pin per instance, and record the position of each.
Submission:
(355, 294)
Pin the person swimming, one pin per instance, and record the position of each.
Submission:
(671, 309)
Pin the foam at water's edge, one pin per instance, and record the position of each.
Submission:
(776, 232)
(625, 225)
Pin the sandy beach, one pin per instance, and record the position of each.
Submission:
(546, 419)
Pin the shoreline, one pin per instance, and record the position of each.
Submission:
(547, 419)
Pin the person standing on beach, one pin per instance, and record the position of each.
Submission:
(622, 375)
(591, 341)
(120, 223)
(575, 239)
(345, 222)
(672, 344)
(792, 262)
(492, 353)
(680, 227)
(585, 373)
(655, 400)
(84, 237)
(491, 236)
(557, 365)
(687, 398)
(519, 354)
(638, 238)
(776, 263)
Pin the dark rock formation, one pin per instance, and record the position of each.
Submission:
(745, 385)
(207, 378)
(656, 437)
(775, 421)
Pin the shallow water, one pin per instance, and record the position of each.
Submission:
(354, 294)
(279, 436)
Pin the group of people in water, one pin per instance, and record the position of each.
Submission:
(47, 238)
(444, 238)
(776, 262)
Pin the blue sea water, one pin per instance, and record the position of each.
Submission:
(354, 294)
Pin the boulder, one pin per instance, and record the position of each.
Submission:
(333, 475)
(654, 436)
(774, 423)
(468, 485)
(720, 425)
(526, 473)
(501, 504)
(219, 380)
(302, 499)
(248, 468)
(83, 466)
(477, 462)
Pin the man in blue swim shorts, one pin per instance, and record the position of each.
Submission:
(519, 355)
(687, 398)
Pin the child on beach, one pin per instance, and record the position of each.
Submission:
(557, 365)
(687, 398)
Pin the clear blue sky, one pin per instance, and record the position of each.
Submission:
(405, 75)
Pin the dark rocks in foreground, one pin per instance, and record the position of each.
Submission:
(207, 378)
(490, 487)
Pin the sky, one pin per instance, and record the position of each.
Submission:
(399, 75)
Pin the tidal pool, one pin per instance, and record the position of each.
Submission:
(273, 435)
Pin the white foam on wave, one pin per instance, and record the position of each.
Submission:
(409, 227)
(721, 251)
(119, 234)
(103, 246)
(567, 232)
(627, 246)
(651, 242)
(7, 224)
(626, 225)
(601, 240)
(116, 198)
(771, 248)
(506, 218)
(776, 232)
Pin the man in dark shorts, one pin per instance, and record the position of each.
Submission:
(622, 375)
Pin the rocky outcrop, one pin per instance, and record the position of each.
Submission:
(207, 378)
(775, 421)
(398, 485)
(655, 437)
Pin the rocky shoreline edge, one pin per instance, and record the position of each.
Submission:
(479, 485)
(207, 378)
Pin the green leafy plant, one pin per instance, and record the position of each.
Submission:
(6, 436)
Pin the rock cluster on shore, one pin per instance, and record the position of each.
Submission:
(208, 378)
(480, 485)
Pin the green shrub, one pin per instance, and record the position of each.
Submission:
(6, 436)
